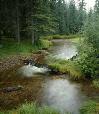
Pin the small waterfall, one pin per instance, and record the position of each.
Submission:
(30, 70)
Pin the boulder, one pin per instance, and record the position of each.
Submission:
(11, 89)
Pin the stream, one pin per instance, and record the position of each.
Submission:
(56, 91)
(59, 92)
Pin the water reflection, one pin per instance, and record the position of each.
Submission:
(63, 95)
(63, 49)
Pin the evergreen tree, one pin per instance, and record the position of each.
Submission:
(67, 18)
(33, 18)
(81, 13)
(72, 17)
(61, 16)
(96, 8)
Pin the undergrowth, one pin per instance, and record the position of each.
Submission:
(9, 47)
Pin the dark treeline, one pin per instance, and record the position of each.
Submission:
(20, 19)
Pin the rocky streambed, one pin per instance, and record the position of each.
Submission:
(17, 60)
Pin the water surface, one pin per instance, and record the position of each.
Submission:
(63, 49)
(63, 95)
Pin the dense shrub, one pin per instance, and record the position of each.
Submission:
(95, 83)
(89, 48)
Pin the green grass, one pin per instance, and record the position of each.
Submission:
(76, 40)
(61, 37)
(90, 107)
(66, 66)
(32, 108)
(9, 47)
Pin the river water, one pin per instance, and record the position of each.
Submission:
(58, 91)
(63, 49)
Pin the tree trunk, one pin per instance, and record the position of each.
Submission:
(0, 39)
(17, 22)
(1, 35)
(32, 37)
(32, 31)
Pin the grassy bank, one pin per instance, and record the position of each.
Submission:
(61, 37)
(32, 108)
(90, 107)
(66, 66)
(9, 47)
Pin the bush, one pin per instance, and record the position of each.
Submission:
(95, 83)
(45, 43)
